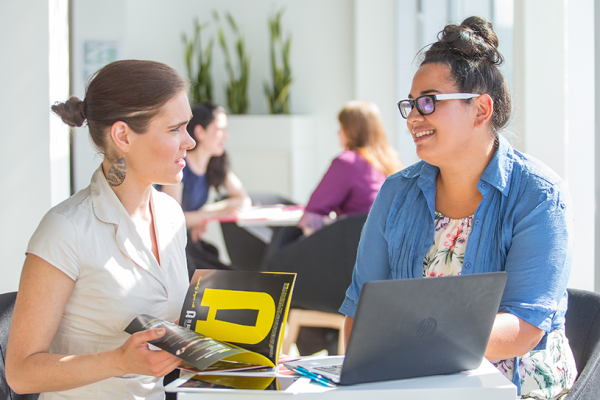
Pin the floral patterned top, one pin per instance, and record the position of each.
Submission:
(544, 374)
(446, 255)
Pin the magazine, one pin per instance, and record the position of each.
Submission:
(230, 320)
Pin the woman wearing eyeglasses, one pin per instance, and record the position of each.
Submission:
(475, 205)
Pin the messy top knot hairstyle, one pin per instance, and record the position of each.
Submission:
(471, 52)
(204, 114)
(131, 91)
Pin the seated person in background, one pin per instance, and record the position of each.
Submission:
(349, 186)
(111, 252)
(354, 178)
(207, 166)
(476, 205)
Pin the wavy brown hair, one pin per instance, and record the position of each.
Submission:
(361, 122)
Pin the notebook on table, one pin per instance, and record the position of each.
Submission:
(416, 327)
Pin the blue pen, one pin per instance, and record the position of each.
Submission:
(315, 377)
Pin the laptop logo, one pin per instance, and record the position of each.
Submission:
(426, 327)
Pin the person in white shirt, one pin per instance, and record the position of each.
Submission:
(110, 252)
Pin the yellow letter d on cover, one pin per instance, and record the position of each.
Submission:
(220, 299)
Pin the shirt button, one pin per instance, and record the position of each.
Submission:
(468, 265)
(484, 185)
(477, 222)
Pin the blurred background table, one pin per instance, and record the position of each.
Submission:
(273, 215)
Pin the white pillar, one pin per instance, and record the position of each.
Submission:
(58, 65)
(596, 48)
(25, 114)
(554, 70)
(375, 58)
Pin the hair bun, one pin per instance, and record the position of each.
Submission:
(71, 111)
(473, 39)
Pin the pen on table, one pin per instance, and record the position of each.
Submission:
(315, 377)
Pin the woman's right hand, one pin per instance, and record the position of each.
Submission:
(197, 232)
(28, 351)
(135, 356)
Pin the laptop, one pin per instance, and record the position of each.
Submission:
(415, 327)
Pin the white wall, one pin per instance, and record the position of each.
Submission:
(554, 66)
(580, 135)
(24, 148)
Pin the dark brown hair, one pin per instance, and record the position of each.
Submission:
(470, 50)
(204, 114)
(361, 123)
(131, 91)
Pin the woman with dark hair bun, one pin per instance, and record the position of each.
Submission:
(207, 166)
(474, 204)
(111, 252)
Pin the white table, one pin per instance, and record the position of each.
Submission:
(271, 216)
(486, 382)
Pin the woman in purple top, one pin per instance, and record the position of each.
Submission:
(354, 178)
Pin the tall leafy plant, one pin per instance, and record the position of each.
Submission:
(278, 92)
(237, 88)
(197, 63)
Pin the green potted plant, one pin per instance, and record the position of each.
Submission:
(237, 88)
(278, 92)
(200, 80)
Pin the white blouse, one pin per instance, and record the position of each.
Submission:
(91, 238)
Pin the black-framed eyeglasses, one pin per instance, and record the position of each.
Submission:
(426, 104)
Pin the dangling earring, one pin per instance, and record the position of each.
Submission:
(116, 173)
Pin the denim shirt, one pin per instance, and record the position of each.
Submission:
(523, 226)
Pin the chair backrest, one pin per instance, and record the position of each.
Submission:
(246, 247)
(582, 327)
(323, 261)
(7, 305)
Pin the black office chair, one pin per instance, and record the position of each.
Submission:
(324, 262)
(247, 246)
(7, 304)
(582, 328)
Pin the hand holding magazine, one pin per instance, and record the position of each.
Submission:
(229, 320)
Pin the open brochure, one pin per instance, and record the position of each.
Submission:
(230, 320)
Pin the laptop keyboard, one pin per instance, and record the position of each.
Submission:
(331, 369)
